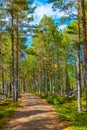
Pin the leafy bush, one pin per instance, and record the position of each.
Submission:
(49, 99)
(68, 111)
(6, 110)
(80, 119)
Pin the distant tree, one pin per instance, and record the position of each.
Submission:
(69, 7)
(18, 12)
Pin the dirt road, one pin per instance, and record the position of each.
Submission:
(34, 114)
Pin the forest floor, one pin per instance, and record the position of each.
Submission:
(34, 114)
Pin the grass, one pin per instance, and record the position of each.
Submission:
(68, 112)
(7, 108)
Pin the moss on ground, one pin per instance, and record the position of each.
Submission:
(7, 109)
(68, 111)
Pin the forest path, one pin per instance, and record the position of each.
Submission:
(34, 114)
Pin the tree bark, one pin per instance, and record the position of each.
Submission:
(79, 67)
(85, 42)
(13, 78)
(17, 59)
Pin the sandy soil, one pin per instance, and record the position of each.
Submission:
(34, 114)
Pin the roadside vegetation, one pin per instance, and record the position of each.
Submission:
(7, 108)
(67, 110)
(54, 64)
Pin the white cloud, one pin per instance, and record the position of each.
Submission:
(46, 9)
(62, 27)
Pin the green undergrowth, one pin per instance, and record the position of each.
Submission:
(7, 108)
(68, 111)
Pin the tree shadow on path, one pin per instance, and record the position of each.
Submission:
(34, 114)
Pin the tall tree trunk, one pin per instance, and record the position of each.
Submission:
(52, 80)
(79, 85)
(85, 42)
(58, 76)
(46, 82)
(17, 66)
(13, 78)
(67, 80)
(3, 81)
(10, 88)
(2, 68)
(79, 67)
(23, 87)
(76, 72)
(40, 81)
(40, 73)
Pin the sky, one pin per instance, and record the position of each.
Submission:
(43, 8)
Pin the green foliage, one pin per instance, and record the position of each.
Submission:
(6, 110)
(67, 109)
(56, 100)
(49, 99)
(80, 119)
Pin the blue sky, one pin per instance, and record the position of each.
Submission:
(43, 8)
(41, 1)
